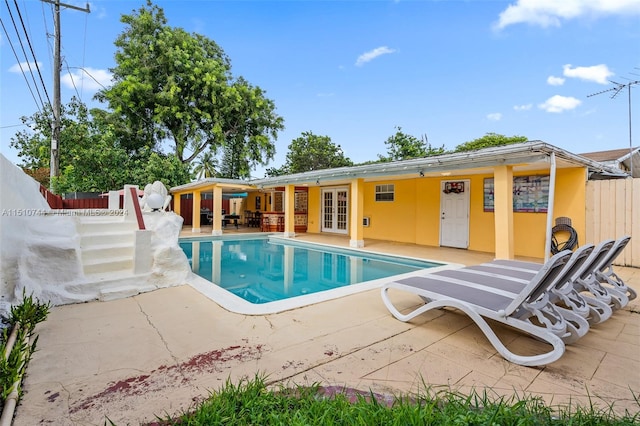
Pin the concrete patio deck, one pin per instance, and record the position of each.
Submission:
(159, 353)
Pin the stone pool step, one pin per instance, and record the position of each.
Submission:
(125, 290)
(107, 245)
(106, 251)
(116, 285)
(106, 237)
(97, 226)
(108, 264)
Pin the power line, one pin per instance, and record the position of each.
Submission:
(31, 49)
(28, 62)
(24, 74)
(73, 82)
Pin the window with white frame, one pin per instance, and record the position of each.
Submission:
(385, 192)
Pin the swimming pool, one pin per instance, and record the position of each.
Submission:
(270, 274)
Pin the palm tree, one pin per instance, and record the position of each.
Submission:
(205, 166)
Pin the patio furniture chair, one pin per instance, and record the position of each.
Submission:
(586, 280)
(526, 310)
(248, 217)
(255, 220)
(566, 295)
(266, 224)
(606, 275)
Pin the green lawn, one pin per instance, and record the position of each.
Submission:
(251, 402)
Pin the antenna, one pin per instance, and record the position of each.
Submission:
(616, 90)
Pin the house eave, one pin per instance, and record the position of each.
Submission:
(534, 152)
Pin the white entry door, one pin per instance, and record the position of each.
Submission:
(454, 213)
(335, 210)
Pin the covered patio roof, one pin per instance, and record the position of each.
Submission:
(229, 186)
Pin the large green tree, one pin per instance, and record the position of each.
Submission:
(489, 140)
(312, 152)
(402, 146)
(90, 159)
(250, 125)
(91, 156)
(175, 88)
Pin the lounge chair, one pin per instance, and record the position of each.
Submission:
(606, 275)
(494, 299)
(588, 279)
(571, 304)
(568, 294)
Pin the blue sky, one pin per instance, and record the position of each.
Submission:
(354, 70)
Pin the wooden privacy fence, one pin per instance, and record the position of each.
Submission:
(612, 211)
(57, 202)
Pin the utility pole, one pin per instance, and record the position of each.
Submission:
(54, 163)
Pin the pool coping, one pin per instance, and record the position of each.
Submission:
(236, 304)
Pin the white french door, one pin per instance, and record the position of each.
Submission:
(335, 210)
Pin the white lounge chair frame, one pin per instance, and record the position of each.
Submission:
(606, 275)
(571, 305)
(480, 302)
(602, 299)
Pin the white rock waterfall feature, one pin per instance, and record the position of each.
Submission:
(41, 253)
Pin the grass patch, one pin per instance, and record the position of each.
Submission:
(251, 402)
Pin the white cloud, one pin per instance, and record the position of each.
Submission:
(372, 54)
(546, 13)
(555, 81)
(525, 107)
(596, 73)
(25, 67)
(90, 79)
(559, 103)
(494, 116)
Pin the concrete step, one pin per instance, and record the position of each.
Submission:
(123, 291)
(110, 264)
(98, 227)
(104, 279)
(104, 216)
(104, 238)
(118, 284)
(107, 251)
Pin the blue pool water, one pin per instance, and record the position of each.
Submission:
(262, 270)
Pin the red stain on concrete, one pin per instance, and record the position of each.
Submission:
(168, 376)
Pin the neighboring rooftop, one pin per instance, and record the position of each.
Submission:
(626, 159)
(610, 155)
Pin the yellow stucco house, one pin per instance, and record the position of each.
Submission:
(502, 200)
